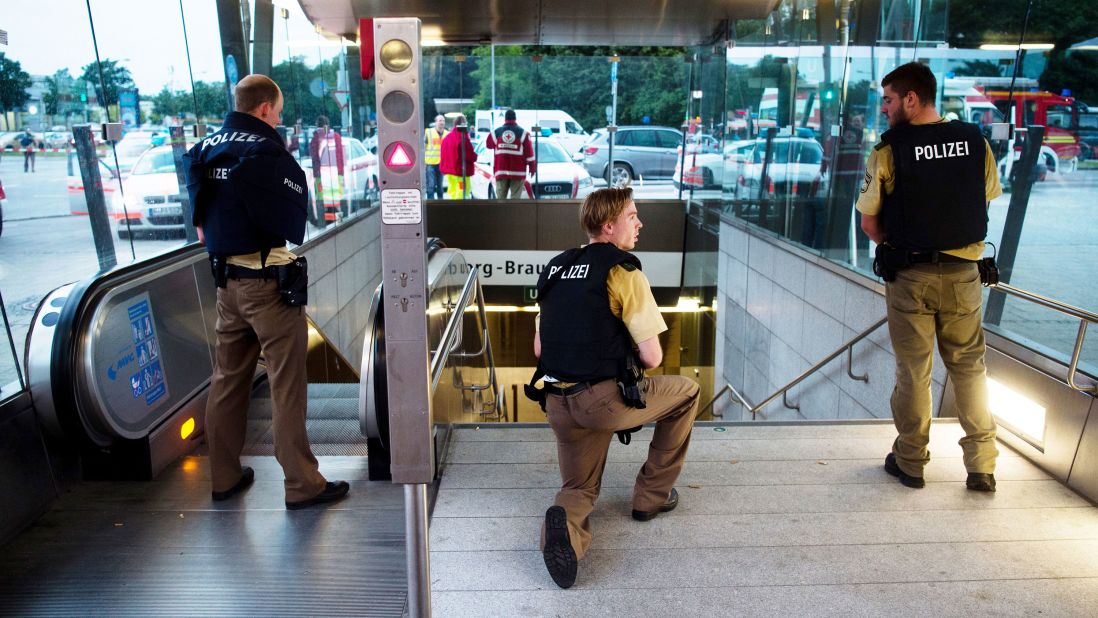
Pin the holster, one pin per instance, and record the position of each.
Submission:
(989, 272)
(293, 282)
(888, 261)
(219, 268)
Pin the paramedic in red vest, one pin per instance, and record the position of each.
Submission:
(924, 202)
(432, 156)
(514, 156)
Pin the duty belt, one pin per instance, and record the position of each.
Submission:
(570, 390)
(232, 271)
(935, 257)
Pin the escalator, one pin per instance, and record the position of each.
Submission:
(119, 367)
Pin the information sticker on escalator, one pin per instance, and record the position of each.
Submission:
(401, 206)
(148, 382)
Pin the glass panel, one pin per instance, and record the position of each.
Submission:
(136, 66)
(823, 103)
(47, 239)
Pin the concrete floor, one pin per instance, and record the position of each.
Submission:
(780, 520)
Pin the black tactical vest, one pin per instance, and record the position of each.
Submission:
(581, 340)
(939, 201)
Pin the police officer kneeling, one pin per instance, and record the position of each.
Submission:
(249, 199)
(596, 305)
(924, 201)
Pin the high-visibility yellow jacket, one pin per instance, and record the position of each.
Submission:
(432, 146)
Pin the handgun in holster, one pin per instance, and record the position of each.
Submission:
(219, 268)
(632, 393)
(888, 261)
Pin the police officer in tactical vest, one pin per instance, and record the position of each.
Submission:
(598, 329)
(924, 202)
(249, 198)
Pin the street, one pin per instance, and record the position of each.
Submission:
(44, 247)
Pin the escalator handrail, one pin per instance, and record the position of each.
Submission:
(472, 289)
(72, 328)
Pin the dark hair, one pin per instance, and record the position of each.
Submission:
(913, 76)
(509, 115)
(322, 121)
(255, 90)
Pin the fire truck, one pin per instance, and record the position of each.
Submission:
(984, 100)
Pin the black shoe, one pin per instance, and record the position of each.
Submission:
(247, 475)
(332, 491)
(978, 481)
(560, 557)
(914, 482)
(672, 502)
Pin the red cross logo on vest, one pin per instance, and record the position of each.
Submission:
(508, 136)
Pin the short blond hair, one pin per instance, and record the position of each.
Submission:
(601, 207)
(255, 90)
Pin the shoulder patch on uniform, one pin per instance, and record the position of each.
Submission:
(628, 266)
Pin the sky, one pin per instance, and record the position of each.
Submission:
(146, 35)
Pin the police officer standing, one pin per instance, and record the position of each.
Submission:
(598, 318)
(249, 198)
(924, 202)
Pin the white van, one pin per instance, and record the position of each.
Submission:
(560, 125)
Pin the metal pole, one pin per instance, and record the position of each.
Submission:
(418, 552)
(1023, 175)
(93, 194)
(612, 129)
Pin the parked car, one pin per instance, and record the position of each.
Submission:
(705, 168)
(151, 202)
(794, 170)
(56, 139)
(74, 183)
(134, 144)
(558, 177)
(360, 184)
(639, 152)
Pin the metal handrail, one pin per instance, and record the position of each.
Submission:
(1082, 315)
(756, 409)
(471, 289)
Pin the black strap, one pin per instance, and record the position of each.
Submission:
(625, 436)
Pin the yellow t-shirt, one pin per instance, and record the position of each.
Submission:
(278, 257)
(880, 173)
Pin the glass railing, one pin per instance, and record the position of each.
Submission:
(802, 116)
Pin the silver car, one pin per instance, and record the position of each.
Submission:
(639, 152)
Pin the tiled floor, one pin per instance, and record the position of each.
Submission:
(778, 520)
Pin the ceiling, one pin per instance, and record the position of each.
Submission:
(548, 22)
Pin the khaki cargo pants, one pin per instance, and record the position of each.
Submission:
(944, 301)
(584, 424)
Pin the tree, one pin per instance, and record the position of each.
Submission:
(58, 96)
(210, 99)
(14, 82)
(115, 79)
(978, 68)
(652, 82)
